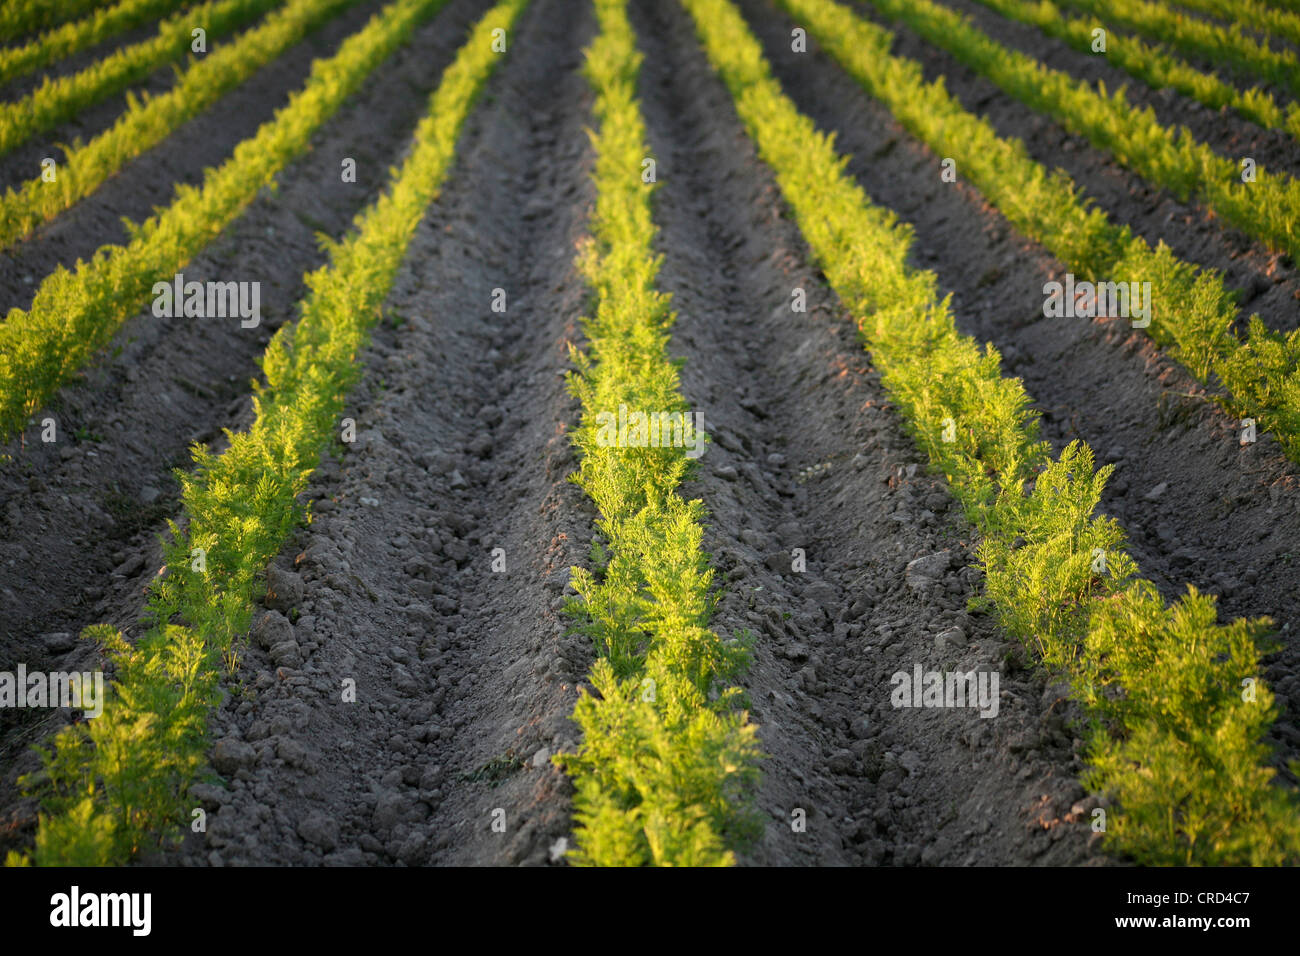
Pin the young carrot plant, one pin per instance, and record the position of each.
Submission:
(1153, 64)
(145, 123)
(1221, 45)
(65, 40)
(1267, 208)
(58, 100)
(668, 762)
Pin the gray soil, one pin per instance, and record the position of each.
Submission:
(465, 676)
(781, 393)
(475, 692)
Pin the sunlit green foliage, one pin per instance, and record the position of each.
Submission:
(146, 122)
(100, 25)
(1182, 748)
(668, 762)
(1268, 208)
(1153, 64)
(18, 17)
(1194, 36)
(1251, 14)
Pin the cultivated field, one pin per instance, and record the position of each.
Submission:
(650, 432)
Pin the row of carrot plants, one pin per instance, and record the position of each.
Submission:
(147, 122)
(1292, 6)
(20, 17)
(668, 763)
(1251, 14)
(58, 100)
(65, 40)
(1192, 313)
(1173, 738)
(1153, 64)
(75, 313)
(1212, 42)
(118, 784)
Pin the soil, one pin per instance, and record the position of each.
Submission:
(782, 393)
(465, 676)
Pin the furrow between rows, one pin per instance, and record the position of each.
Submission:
(817, 503)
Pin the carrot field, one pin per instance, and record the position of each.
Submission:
(767, 433)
